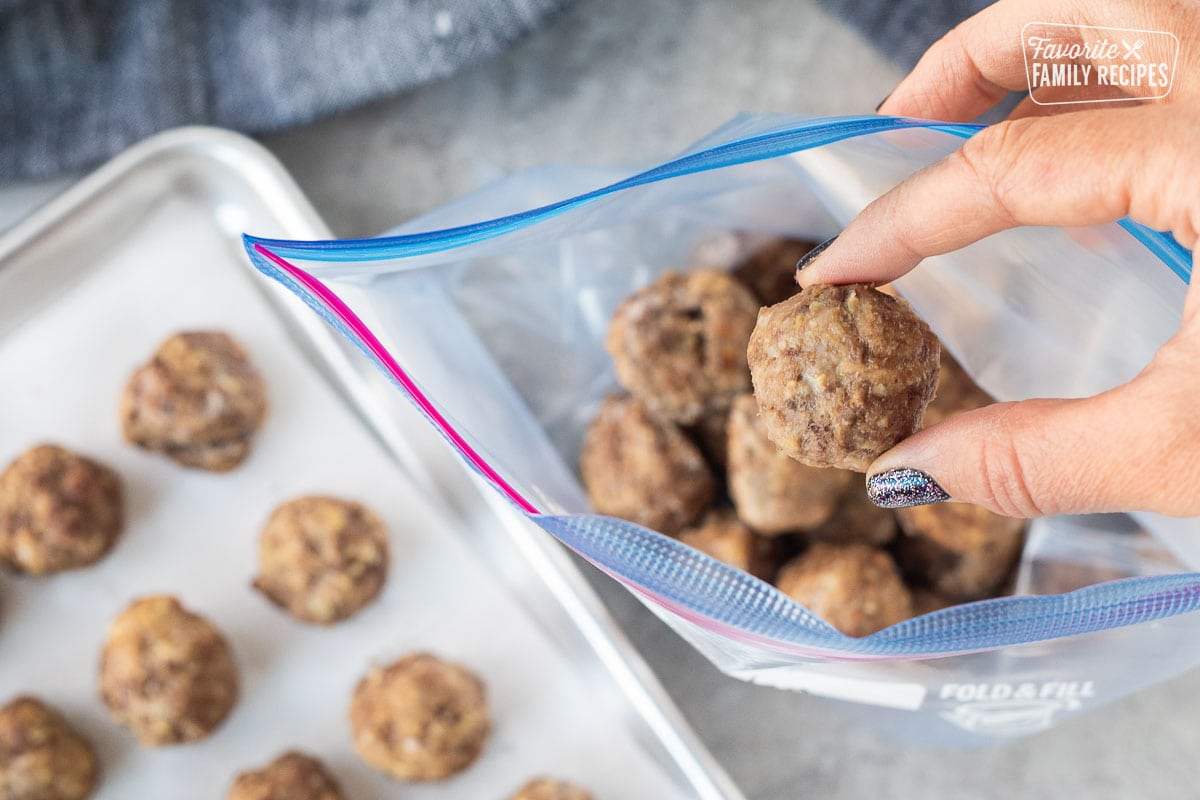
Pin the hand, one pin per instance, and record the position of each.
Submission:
(976, 65)
(1135, 447)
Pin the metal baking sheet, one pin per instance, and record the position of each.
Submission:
(179, 202)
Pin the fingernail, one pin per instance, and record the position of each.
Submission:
(811, 255)
(881, 102)
(903, 488)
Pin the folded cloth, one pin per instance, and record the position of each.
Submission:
(82, 79)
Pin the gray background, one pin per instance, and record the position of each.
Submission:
(618, 81)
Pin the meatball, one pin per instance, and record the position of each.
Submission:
(723, 536)
(773, 493)
(679, 344)
(292, 776)
(841, 374)
(770, 273)
(926, 601)
(420, 718)
(962, 551)
(58, 511)
(322, 559)
(41, 756)
(856, 519)
(639, 468)
(956, 392)
(547, 789)
(166, 674)
(199, 401)
(711, 434)
(854, 587)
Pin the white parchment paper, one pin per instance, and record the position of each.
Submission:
(194, 534)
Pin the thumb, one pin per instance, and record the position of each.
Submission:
(1127, 449)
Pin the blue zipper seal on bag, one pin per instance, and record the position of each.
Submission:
(760, 147)
(695, 585)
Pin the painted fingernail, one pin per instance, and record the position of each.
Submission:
(811, 255)
(904, 488)
(881, 102)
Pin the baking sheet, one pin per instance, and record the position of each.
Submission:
(194, 534)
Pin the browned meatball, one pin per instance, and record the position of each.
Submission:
(166, 674)
(321, 558)
(854, 587)
(771, 271)
(41, 755)
(58, 511)
(547, 789)
(962, 551)
(199, 401)
(773, 493)
(956, 392)
(726, 538)
(842, 373)
(639, 468)
(679, 344)
(711, 434)
(856, 519)
(419, 718)
(927, 601)
(292, 776)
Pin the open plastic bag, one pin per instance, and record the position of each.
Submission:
(494, 329)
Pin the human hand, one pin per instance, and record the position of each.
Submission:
(1135, 447)
(977, 64)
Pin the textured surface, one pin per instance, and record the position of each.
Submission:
(854, 587)
(58, 510)
(723, 536)
(292, 776)
(41, 756)
(679, 344)
(166, 673)
(420, 718)
(77, 87)
(322, 558)
(644, 470)
(960, 550)
(841, 374)
(619, 81)
(199, 401)
(549, 789)
(775, 493)
(856, 519)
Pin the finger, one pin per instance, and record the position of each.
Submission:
(1073, 169)
(1028, 108)
(1123, 450)
(973, 67)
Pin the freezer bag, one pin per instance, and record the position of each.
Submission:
(490, 314)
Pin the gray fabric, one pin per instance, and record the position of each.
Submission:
(904, 29)
(82, 79)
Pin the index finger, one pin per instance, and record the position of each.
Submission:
(1073, 169)
(974, 66)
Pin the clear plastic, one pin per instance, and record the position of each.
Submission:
(491, 319)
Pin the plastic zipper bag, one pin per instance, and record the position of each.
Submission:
(490, 314)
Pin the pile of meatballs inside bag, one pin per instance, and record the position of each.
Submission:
(750, 409)
(167, 673)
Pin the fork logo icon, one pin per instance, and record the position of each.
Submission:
(1131, 50)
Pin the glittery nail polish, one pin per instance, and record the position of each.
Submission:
(904, 488)
(811, 255)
